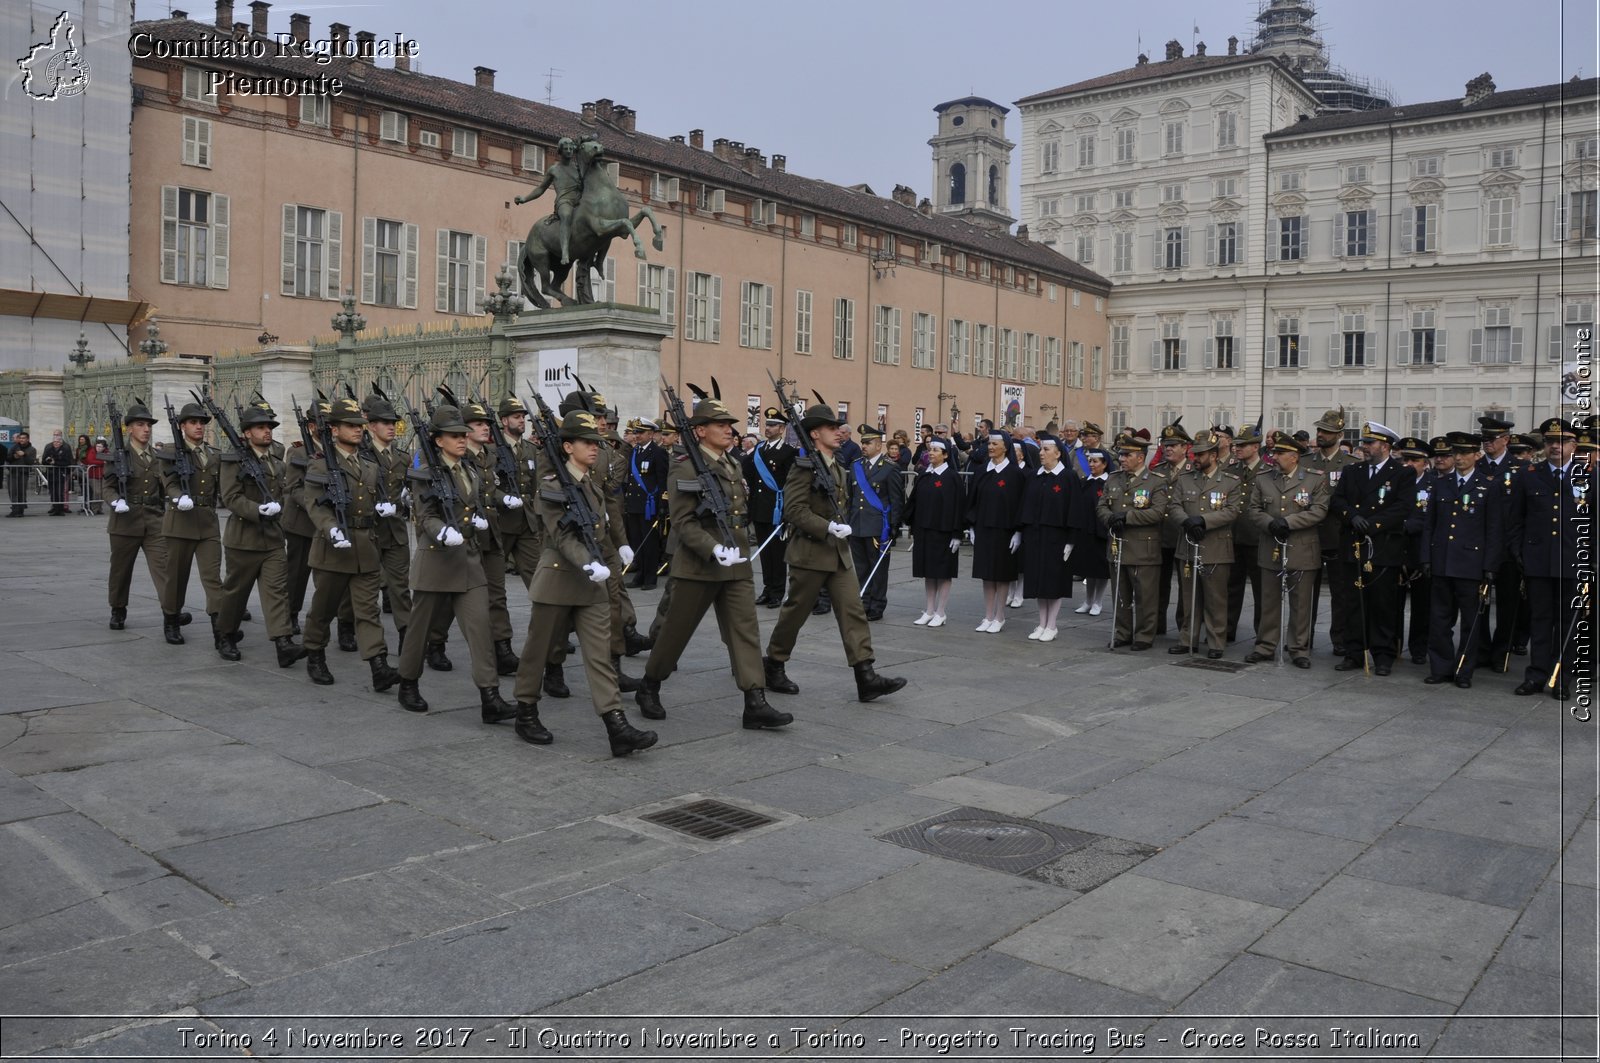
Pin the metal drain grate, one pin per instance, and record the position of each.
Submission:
(708, 819)
(989, 839)
(1213, 666)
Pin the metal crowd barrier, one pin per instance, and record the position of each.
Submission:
(27, 486)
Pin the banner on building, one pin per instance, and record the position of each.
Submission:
(1013, 397)
(883, 417)
(558, 367)
(917, 421)
(752, 407)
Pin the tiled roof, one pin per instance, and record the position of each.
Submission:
(970, 101)
(1565, 90)
(538, 121)
(1166, 68)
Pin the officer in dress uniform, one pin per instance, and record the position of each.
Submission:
(877, 505)
(1204, 505)
(819, 556)
(135, 524)
(1416, 588)
(190, 520)
(707, 573)
(446, 574)
(644, 502)
(766, 470)
(1465, 537)
(345, 563)
(1511, 609)
(1288, 504)
(253, 539)
(394, 546)
(1331, 460)
(1247, 464)
(1133, 509)
(481, 454)
(1172, 464)
(1371, 503)
(1551, 509)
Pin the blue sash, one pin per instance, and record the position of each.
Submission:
(872, 499)
(772, 484)
(649, 496)
(1083, 461)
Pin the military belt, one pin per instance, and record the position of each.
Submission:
(362, 523)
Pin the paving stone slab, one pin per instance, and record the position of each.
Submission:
(43, 688)
(1506, 992)
(143, 1038)
(1578, 863)
(316, 734)
(903, 764)
(53, 862)
(885, 814)
(1345, 806)
(1129, 741)
(990, 795)
(978, 742)
(52, 749)
(21, 799)
(1406, 748)
(127, 910)
(314, 852)
(1408, 939)
(1555, 935)
(1144, 935)
(1204, 714)
(994, 983)
(1059, 770)
(1458, 865)
(1148, 807)
(1517, 815)
(1238, 761)
(889, 916)
(1253, 861)
(813, 790)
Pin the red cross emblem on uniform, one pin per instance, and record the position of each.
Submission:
(938, 483)
(1056, 488)
(1000, 483)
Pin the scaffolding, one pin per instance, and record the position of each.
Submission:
(1289, 29)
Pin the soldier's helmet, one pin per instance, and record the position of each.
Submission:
(577, 399)
(138, 412)
(511, 405)
(193, 411)
(446, 420)
(379, 408)
(474, 411)
(708, 411)
(580, 424)
(817, 416)
(345, 411)
(258, 413)
(1175, 433)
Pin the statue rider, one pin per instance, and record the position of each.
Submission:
(567, 177)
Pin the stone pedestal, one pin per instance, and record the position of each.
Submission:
(286, 375)
(173, 378)
(614, 347)
(47, 405)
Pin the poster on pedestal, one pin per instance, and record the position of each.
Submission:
(558, 367)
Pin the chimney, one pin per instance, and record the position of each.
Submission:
(1143, 60)
(225, 14)
(602, 110)
(753, 160)
(735, 150)
(1174, 49)
(483, 78)
(366, 44)
(697, 139)
(300, 28)
(1478, 88)
(925, 208)
(1022, 232)
(1233, 46)
(676, 138)
(623, 118)
(180, 14)
(258, 17)
(588, 114)
(1200, 49)
(338, 33)
(719, 147)
(904, 196)
(402, 59)
(780, 164)
(241, 30)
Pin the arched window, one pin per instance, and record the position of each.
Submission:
(958, 183)
(994, 184)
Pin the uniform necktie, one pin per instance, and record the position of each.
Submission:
(199, 456)
(1461, 481)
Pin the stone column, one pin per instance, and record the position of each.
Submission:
(286, 375)
(614, 348)
(47, 404)
(173, 378)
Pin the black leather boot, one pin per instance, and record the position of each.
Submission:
(758, 714)
(870, 684)
(778, 680)
(433, 654)
(383, 676)
(169, 628)
(529, 729)
(119, 619)
(294, 625)
(184, 619)
(289, 651)
(384, 595)
(648, 698)
(625, 737)
(347, 636)
(555, 684)
(505, 662)
(225, 647)
(410, 697)
(634, 643)
(495, 708)
(317, 668)
(625, 682)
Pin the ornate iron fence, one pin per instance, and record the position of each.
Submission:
(235, 379)
(14, 397)
(408, 365)
(84, 395)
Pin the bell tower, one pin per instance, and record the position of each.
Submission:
(972, 162)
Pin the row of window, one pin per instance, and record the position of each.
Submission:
(1419, 421)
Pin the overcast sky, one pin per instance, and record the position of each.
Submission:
(845, 88)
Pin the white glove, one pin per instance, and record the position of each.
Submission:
(386, 509)
(727, 556)
(955, 546)
(626, 553)
(598, 573)
(449, 536)
(479, 523)
(339, 541)
(269, 509)
(1066, 554)
(119, 506)
(838, 531)
(511, 501)
(405, 496)
(1016, 542)
(972, 536)
(185, 503)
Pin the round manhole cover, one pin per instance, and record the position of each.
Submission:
(977, 837)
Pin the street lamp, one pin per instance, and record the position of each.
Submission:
(81, 356)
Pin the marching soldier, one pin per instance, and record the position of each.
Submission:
(1511, 613)
(644, 503)
(1247, 464)
(706, 573)
(520, 533)
(766, 470)
(345, 562)
(1287, 506)
(1204, 505)
(1330, 459)
(1416, 588)
(818, 557)
(1133, 509)
(254, 539)
(394, 546)
(447, 577)
(298, 531)
(1371, 502)
(876, 508)
(569, 590)
(1172, 463)
(135, 524)
(1465, 543)
(624, 618)
(1551, 507)
(480, 452)
(190, 521)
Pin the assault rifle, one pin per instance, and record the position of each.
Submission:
(300, 418)
(579, 516)
(119, 448)
(248, 462)
(338, 488)
(712, 501)
(443, 484)
(505, 461)
(182, 463)
(821, 477)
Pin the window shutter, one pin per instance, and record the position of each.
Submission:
(1402, 348)
(1369, 349)
(408, 296)
(369, 259)
(1438, 346)
(1435, 218)
(1516, 346)
(220, 207)
(335, 254)
(169, 238)
(1560, 230)
(1238, 243)
(671, 298)
(766, 318)
(1155, 354)
(1335, 355)
(191, 146)
(1552, 348)
(1303, 241)
(744, 313)
(441, 300)
(287, 286)
(480, 272)
(1157, 259)
(1211, 246)
(1337, 244)
(716, 309)
(1211, 353)
(1475, 348)
(1183, 360)
(644, 277)
(1188, 238)
(894, 337)
(1408, 229)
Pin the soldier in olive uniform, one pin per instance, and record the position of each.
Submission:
(254, 539)
(1330, 459)
(1246, 536)
(614, 464)
(190, 521)
(519, 527)
(1172, 462)
(1205, 504)
(569, 591)
(447, 577)
(298, 531)
(708, 573)
(481, 453)
(345, 562)
(819, 556)
(135, 524)
(1287, 506)
(1133, 509)
(394, 546)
